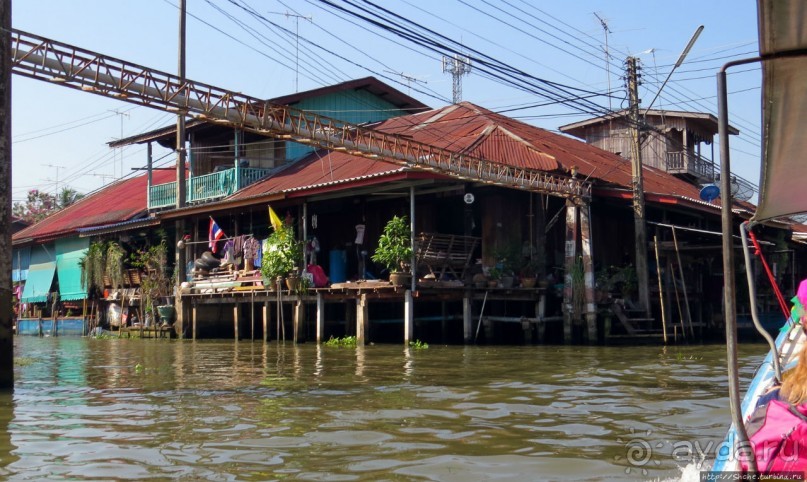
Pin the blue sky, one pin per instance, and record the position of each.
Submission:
(60, 134)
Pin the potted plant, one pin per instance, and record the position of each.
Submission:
(494, 277)
(529, 273)
(394, 249)
(281, 254)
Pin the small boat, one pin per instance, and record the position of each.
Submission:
(783, 58)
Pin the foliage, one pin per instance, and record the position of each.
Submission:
(114, 263)
(345, 341)
(418, 345)
(93, 266)
(38, 205)
(530, 268)
(155, 284)
(394, 249)
(508, 259)
(495, 273)
(282, 253)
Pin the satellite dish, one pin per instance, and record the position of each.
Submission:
(468, 198)
(709, 193)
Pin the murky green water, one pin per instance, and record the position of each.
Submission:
(86, 409)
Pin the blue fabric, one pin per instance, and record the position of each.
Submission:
(69, 252)
(40, 274)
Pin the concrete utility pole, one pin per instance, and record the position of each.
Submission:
(6, 312)
(640, 230)
(179, 225)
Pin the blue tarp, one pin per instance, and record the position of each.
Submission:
(20, 260)
(69, 252)
(40, 274)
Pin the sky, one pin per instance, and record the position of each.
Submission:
(270, 48)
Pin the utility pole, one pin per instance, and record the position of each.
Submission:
(457, 66)
(6, 312)
(179, 225)
(640, 230)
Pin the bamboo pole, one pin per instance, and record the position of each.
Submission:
(677, 300)
(683, 284)
(660, 291)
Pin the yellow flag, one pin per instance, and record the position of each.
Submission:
(274, 219)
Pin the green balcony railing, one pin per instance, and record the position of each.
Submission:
(206, 187)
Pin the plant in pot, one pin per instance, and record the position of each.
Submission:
(281, 254)
(494, 277)
(529, 273)
(394, 249)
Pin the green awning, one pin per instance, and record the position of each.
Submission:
(40, 274)
(69, 252)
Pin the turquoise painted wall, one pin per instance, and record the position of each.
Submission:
(354, 107)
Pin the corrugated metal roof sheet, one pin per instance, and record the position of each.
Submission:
(476, 131)
(120, 201)
(319, 169)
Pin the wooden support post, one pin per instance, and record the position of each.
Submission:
(320, 317)
(487, 325)
(570, 254)
(236, 322)
(180, 323)
(683, 283)
(541, 331)
(265, 318)
(588, 265)
(467, 318)
(193, 321)
(526, 326)
(299, 317)
(361, 319)
(409, 317)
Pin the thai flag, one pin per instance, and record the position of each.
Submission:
(214, 234)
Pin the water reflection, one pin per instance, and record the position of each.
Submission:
(215, 410)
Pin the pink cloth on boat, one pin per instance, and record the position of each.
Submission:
(801, 293)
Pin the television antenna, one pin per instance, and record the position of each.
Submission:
(296, 18)
(408, 79)
(606, 31)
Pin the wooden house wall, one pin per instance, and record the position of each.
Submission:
(355, 107)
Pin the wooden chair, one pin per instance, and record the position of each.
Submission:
(445, 254)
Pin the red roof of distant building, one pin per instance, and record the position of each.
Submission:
(120, 201)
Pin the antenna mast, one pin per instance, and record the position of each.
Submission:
(296, 18)
(457, 66)
(606, 31)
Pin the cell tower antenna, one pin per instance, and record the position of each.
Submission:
(457, 66)
(606, 31)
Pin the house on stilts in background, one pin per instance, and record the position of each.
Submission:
(494, 261)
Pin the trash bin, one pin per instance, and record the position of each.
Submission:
(338, 260)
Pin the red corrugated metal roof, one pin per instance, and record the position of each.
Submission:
(317, 170)
(120, 201)
(476, 131)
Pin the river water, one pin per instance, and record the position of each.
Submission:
(113, 409)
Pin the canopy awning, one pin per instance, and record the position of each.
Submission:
(40, 274)
(783, 28)
(20, 261)
(69, 252)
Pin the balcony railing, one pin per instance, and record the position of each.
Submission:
(206, 187)
(681, 162)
